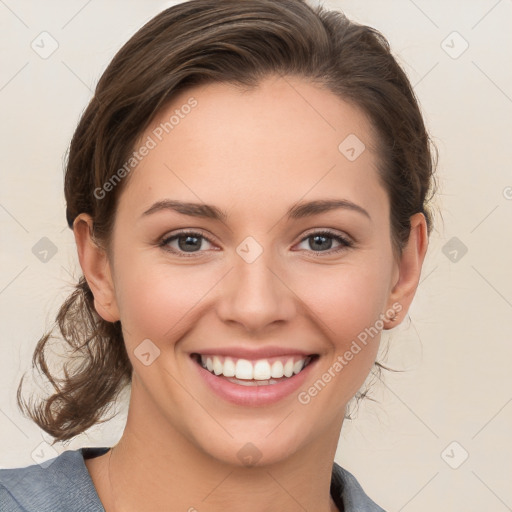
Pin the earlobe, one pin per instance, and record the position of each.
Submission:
(96, 268)
(409, 270)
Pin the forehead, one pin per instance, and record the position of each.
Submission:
(282, 140)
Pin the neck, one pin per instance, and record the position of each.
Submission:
(155, 467)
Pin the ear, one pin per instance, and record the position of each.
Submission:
(408, 270)
(96, 268)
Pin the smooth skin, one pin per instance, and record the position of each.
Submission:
(253, 154)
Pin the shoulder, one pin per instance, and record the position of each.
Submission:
(56, 485)
(348, 493)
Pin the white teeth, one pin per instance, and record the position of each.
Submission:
(243, 369)
(229, 367)
(277, 370)
(249, 383)
(217, 365)
(297, 367)
(260, 370)
(288, 368)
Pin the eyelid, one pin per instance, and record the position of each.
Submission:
(330, 232)
(188, 231)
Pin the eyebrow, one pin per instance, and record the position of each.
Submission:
(297, 211)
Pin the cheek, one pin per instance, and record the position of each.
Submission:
(156, 301)
(347, 303)
(346, 298)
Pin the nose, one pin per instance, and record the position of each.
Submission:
(256, 295)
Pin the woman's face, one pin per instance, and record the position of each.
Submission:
(258, 279)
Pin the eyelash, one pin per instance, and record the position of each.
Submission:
(345, 242)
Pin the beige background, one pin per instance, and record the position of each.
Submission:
(456, 347)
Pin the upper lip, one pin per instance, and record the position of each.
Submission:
(253, 353)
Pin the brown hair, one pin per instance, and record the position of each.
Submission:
(199, 42)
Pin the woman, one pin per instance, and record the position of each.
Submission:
(248, 191)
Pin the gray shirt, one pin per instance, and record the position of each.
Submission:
(63, 484)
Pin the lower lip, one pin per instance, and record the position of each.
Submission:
(253, 395)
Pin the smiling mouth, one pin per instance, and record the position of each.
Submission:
(261, 372)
